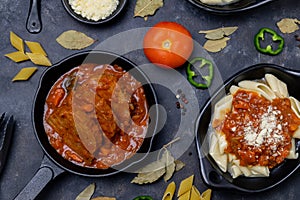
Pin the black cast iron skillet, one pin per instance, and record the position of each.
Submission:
(238, 7)
(210, 172)
(53, 163)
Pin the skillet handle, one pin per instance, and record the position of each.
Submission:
(34, 24)
(47, 172)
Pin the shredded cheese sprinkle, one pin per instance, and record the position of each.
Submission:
(94, 9)
(269, 130)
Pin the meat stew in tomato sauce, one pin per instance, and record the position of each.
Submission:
(96, 115)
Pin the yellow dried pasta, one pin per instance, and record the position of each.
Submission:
(35, 47)
(39, 59)
(17, 56)
(16, 41)
(206, 195)
(24, 74)
(185, 185)
(185, 196)
(195, 194)
(169, 192)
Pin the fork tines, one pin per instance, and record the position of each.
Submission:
(6, 131)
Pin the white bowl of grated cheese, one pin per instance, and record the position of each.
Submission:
(94, 11)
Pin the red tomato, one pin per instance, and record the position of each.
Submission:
(168, 44)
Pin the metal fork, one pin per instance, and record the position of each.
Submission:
(6, 131)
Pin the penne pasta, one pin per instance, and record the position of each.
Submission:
(16, 42)
(25, 73)
(185, 186)
(36, 47)
(39, 59)
(17, 56)
(169, 192)
(206, 195)
(195, 194)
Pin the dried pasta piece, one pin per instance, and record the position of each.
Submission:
(206, 195)
(16, 41)
(17, 56)
(185, 196)
(195, 194)
(87, 193)
(185, 186)
(279, 87)
(24, 74)
(39, 59)
(35, 47)
(169, 192)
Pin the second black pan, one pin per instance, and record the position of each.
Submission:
(210, 172)
(53, 163)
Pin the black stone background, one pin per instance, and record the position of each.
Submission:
(16, 98)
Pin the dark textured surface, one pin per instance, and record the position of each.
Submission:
(16, 98)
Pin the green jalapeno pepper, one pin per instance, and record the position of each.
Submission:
(143, 198)
(191, 74)
(260, 36)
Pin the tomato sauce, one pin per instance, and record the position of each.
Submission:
(259, 131)
(96, 115)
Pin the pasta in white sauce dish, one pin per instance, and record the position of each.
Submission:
(218, 2)
(254, 128)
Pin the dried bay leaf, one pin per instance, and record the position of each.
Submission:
(87, 193)
(170, 165)
(288, 25)
(151, 176)
(164, 167)
(216, 45)
(216, 35)
(229, 30)
(219, 33)
(144, 8)
(24, 74)
(74, 40)
(179, 165)
(17, 56)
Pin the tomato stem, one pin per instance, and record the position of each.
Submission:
(166, 44)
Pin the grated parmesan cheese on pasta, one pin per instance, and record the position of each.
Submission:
(94, 9)
(269, 129)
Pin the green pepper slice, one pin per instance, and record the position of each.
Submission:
(191, 73)
(260, 36)
(143, 198)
